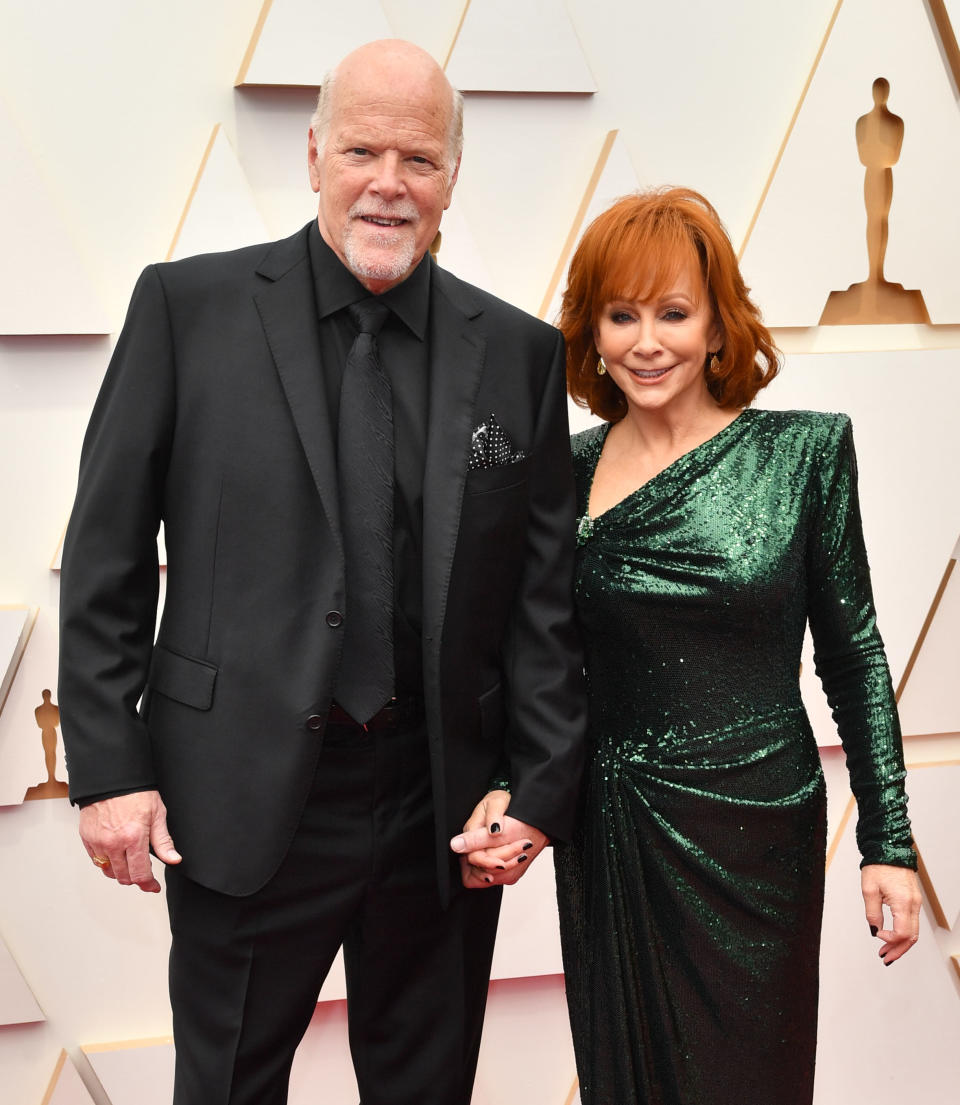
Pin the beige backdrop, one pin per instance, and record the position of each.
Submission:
(126, 141)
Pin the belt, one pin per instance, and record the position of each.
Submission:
(403, 710)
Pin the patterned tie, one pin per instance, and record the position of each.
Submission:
(365, 461)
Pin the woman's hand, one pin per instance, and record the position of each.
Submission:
(494, 849)
(897, 888)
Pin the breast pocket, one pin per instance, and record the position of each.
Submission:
(482, 481)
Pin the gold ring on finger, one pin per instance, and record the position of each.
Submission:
(101, 861)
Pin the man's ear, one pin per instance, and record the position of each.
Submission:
(312, 158)
(453, 181)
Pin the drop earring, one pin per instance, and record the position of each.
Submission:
(601, 368)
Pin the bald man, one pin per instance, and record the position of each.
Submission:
(311, 735)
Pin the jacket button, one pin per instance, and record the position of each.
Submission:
(334, 618)
(315, 721)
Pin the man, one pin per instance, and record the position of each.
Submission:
(313, 778)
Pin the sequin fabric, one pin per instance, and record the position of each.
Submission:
(691, 897)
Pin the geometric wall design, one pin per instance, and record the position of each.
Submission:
(17, 1003)
(45, 286)
(296, 42)
(66, 1086)
(907, 511)
(812, 218)
(538, 49)
(613, 176)
(221, 212)
(134, 1072)
(16, 625)
(30, 748)
(459, 252)
(917, 994)
(904, 408)
(934, 791)
(930, 694)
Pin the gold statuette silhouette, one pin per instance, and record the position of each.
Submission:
(48, 718)
(876, 299)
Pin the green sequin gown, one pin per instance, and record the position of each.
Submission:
(691, 897)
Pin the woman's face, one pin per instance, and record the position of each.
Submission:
(655, 349)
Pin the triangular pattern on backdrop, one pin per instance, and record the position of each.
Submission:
(296, 42)
(45, 286)
(929, 692)
(221, 212)
(935, 817)
(908, 525)
(518, 46)
(811, 221)
(613, 176)
(66, 1086)
(946, 15)
(459, 252)
(17, 1003)
(16, 625)
(134, 1072)
(917, 994)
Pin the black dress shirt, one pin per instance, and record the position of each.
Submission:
(405, 358)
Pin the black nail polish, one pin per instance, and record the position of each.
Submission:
(521, 859)
(488, 878)
(495, 827)
(528, 846)
(873, 930)
(500, 867)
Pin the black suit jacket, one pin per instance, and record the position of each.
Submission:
(213, 418)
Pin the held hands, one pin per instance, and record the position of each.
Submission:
(494, 848)
(117, 834)
(897, 888)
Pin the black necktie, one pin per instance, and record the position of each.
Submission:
(365, 462)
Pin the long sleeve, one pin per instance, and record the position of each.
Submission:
(849, 655)
(109, 580)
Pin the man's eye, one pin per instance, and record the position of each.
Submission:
(359, 151)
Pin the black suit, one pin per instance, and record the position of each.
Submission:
(213, 418)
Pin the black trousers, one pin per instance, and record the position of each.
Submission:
(360, 872)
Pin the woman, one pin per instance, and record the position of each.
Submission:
(709, 535)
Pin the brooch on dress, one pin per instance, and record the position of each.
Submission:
(584, 529)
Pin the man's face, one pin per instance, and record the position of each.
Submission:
(383, 174)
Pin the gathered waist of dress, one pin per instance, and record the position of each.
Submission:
(672, 736)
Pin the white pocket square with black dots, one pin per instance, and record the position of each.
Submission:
(491, 447)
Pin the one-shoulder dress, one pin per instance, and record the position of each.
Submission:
(691, 897)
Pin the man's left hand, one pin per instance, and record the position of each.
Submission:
(494, 848)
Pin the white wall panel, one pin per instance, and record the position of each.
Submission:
(114, 104)
(298, 41)
(518, 46)
(812, 224)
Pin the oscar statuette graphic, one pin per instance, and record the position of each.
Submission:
(879, 136)
(48, 718)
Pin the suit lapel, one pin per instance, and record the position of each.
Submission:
(288, 312)
(458, 345)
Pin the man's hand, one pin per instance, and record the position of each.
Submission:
(118, 832)
(897, 888)
(494, 848)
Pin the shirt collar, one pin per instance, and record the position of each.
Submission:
(336, 287)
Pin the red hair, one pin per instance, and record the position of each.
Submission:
(635, 250)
